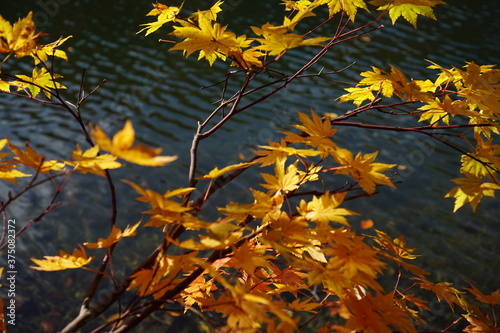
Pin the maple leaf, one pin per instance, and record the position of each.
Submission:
(324, 209)
(350, 7)
(8, 170)
(305, 305)
(443, 290)
(440, 110)
(156, 280)
(31, 159)
(289, 276)
(357, 95)
(351, 258)
(276, 39)
(471, 189)
(299, 5)
(199, 291)
(363, 169)
(435, 111)
(493, 298)
(315, 126)
(42, 52)
(63, 261)
(280, 151)
(212, 40)
(5, 85)
(316, 133)
(91, 161)
(121, 147)
(165, 14)
(476, 165)
(114, 237)
(160, 201)
(249, 257)
(274, 152)
(408, 9)
(284, 180)
(388, 84)
(19, 38)
(210, 14)
(216, 173)
(302, 9)
(396, 246)
(479, 326)
(40, 80)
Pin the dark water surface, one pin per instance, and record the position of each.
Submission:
(159, 91)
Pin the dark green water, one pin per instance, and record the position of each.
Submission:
(159, 91)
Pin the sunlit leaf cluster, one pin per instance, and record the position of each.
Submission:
(201, 32)
(289, 252)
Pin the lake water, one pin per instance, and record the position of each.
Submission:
(159, 91)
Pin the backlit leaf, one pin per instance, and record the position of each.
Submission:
(471, 189)
(41, 80)
(37, 162)
(115, 236)
(408, 9)
(63, 261)
(122, 147)
(91, 161)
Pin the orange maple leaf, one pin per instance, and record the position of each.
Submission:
(114, 237)
(31, 159)
(63, 261)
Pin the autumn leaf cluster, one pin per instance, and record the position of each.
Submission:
(200, 31)
(276, 261)
(469, 94)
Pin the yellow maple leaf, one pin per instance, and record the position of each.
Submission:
(476, 165)
(216, 173)
(121, 147)
(471, 189)
(114, 237)
(31, 159)
(40, 80)
(357, 95)
(5, 85)
(363, 169)
(283, 180)
(42, 52)
(440, 110)
(279, 151)
(408, 9)
(276, 39)
(211, 39)
(325, 209)
(315, 126)
(165, 14)
(299, 5)
(63, 261)
(388, 84)
(210, 14)
(20, 37)
(350, 7)
(91, 161)
(156, 199)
